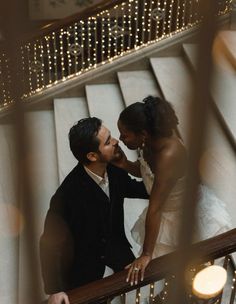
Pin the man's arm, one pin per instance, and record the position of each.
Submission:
(134, 188)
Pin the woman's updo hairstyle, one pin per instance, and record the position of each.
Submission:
(154, 115)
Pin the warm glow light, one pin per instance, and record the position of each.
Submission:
(11, 221)
(209, 282)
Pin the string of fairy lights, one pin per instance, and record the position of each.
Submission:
(111, 34)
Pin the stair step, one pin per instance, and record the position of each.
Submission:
(224, 95)
(105, 102)
(136, 85)
(190, 51)
(176, 84)
(228, 38)
(223, 85)
(67, 112)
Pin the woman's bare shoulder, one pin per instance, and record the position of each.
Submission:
(171, 154)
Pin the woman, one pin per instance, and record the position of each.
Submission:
(151, 127)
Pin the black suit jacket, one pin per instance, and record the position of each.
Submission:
(83, 225)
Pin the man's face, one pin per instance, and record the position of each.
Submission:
(108, 146)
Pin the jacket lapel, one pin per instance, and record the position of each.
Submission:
(92, 188)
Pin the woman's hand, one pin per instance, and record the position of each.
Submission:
(120, 159)
(137, 269)
(58, 298)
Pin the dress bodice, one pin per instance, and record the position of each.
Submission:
(175, 197)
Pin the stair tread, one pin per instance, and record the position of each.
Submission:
(190, 50)
(229, 40)
(67, 111)
(136, 85)
(175, 81)
(105, 102)
(223, 85)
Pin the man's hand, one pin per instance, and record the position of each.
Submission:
(137, 268)
(58, 298)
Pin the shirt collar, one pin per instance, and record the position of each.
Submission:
(98, 179)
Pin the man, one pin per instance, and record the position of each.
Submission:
(84, 227)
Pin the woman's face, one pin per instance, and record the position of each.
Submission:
(130, 139)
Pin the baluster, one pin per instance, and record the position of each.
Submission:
(170, 19)
(4, 98)
(150, 21)
(89, 44)
(109, 35)
(136, 33)
(233, 288)
(55, 57)
(191, 13)
(82, 25)
(5, 80)
(116, 32)
(41, 61)
(177, 15)
(143, 27)
(129, 24)
(157, 15)
(37, 65)
(77, 49)
(69, 50)
(138, 295)
(123, 298)
(62, 54)
(123, 28)
(49, 55)
(151, 295)
(23, 72)
(164, 22)
(103, 36)
(184, 14)
(30, 70)
(95, 48)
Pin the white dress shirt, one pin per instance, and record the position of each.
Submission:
(102, 182)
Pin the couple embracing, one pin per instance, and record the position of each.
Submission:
(84, 226)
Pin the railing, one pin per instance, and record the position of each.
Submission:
(202, 252)
(84, 42)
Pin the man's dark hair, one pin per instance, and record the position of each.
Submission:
(83, 138)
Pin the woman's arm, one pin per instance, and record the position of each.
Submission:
(122, 162)
(168, 169)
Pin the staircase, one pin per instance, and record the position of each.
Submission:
(170, 74)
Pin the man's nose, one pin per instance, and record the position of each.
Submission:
(115, 141)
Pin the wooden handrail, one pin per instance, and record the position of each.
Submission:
(88, 12)
(113, 285)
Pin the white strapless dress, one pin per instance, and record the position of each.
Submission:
(212, 217)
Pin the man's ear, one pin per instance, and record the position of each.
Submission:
(92, 156)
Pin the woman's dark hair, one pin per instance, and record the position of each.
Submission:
(83, 138)
(154, 115)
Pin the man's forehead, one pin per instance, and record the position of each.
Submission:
(103, 133)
